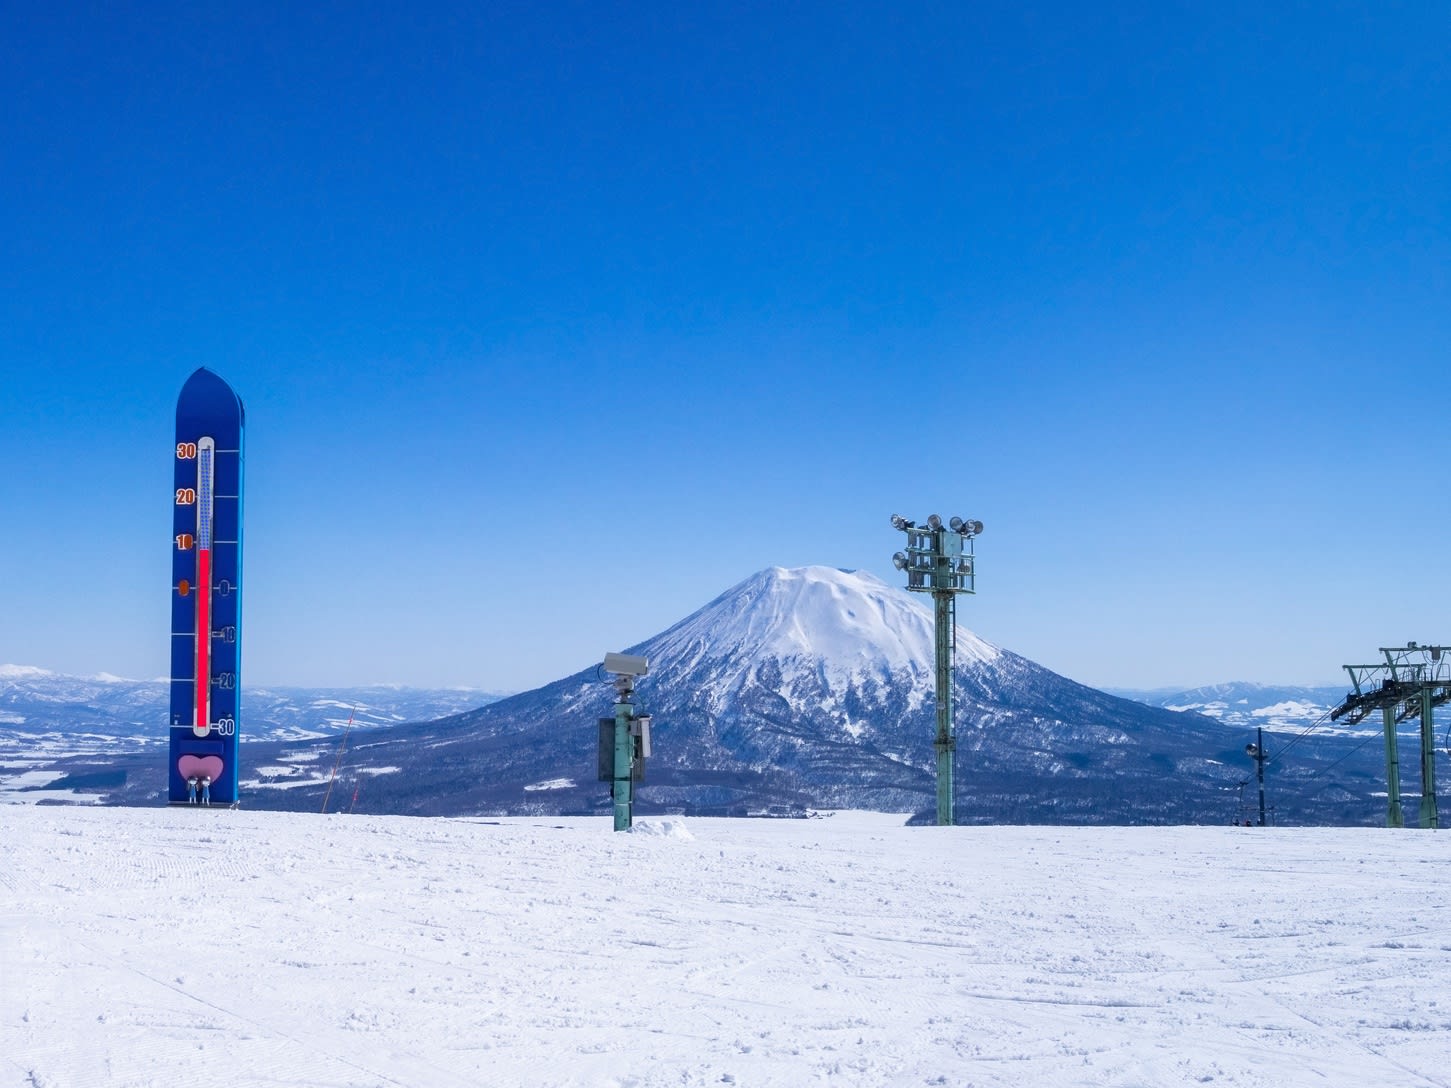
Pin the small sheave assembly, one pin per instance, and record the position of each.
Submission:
(206, 593)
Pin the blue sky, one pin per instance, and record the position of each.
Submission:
(552, 322)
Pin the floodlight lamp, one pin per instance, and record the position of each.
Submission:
(934, 522)
(955, 525)
(900, 561)
(898, 521)
(972, 528)
(1252, 749)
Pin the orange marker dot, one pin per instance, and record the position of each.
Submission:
(183, 587)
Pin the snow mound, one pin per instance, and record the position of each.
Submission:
(663, 829)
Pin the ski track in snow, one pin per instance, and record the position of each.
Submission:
(151, 947)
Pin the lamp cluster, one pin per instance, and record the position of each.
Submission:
(934, 523)
(937, 557)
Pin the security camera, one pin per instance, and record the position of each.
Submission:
(626, 664)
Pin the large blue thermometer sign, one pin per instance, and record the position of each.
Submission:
(206, 593)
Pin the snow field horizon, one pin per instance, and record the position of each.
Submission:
(231, 947)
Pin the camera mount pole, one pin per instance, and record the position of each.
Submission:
(622, 787)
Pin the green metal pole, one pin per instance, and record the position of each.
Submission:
(622, 788)
(1395, 817)
(1429, 817)
(1260, 769)
(946, 743)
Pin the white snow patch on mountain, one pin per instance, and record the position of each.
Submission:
(850, 624)
(1293, 708)
(23, 672)
(551, 784)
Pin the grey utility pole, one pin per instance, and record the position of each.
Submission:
(1257, 752)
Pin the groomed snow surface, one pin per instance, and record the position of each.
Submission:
(204, 948)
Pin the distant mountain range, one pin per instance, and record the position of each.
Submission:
(88, 733)
(1275, 708)
(38, 702)
(807, 689)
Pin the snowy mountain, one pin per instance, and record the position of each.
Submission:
(812, 688)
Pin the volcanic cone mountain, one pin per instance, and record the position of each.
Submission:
(802, 689)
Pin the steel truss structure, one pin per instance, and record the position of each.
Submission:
(1412, 682)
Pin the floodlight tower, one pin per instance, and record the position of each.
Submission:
(939, 560)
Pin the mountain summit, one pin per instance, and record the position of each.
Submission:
(849, 624)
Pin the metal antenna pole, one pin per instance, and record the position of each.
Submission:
(621, 788)
(946, 742)
(1260, 769)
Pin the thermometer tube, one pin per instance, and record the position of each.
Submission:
(205, 457)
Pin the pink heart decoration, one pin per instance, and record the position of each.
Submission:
(200, 767)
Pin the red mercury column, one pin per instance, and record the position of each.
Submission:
(205, 452)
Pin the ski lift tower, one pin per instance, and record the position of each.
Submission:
(1412, 682)
(939, 560)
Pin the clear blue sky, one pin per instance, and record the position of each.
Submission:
(553, 321)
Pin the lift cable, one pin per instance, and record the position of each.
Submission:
(1325, 770)
(1300, 736)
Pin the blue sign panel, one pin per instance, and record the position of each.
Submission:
(206, 593)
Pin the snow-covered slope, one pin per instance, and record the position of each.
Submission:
(155, 948)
